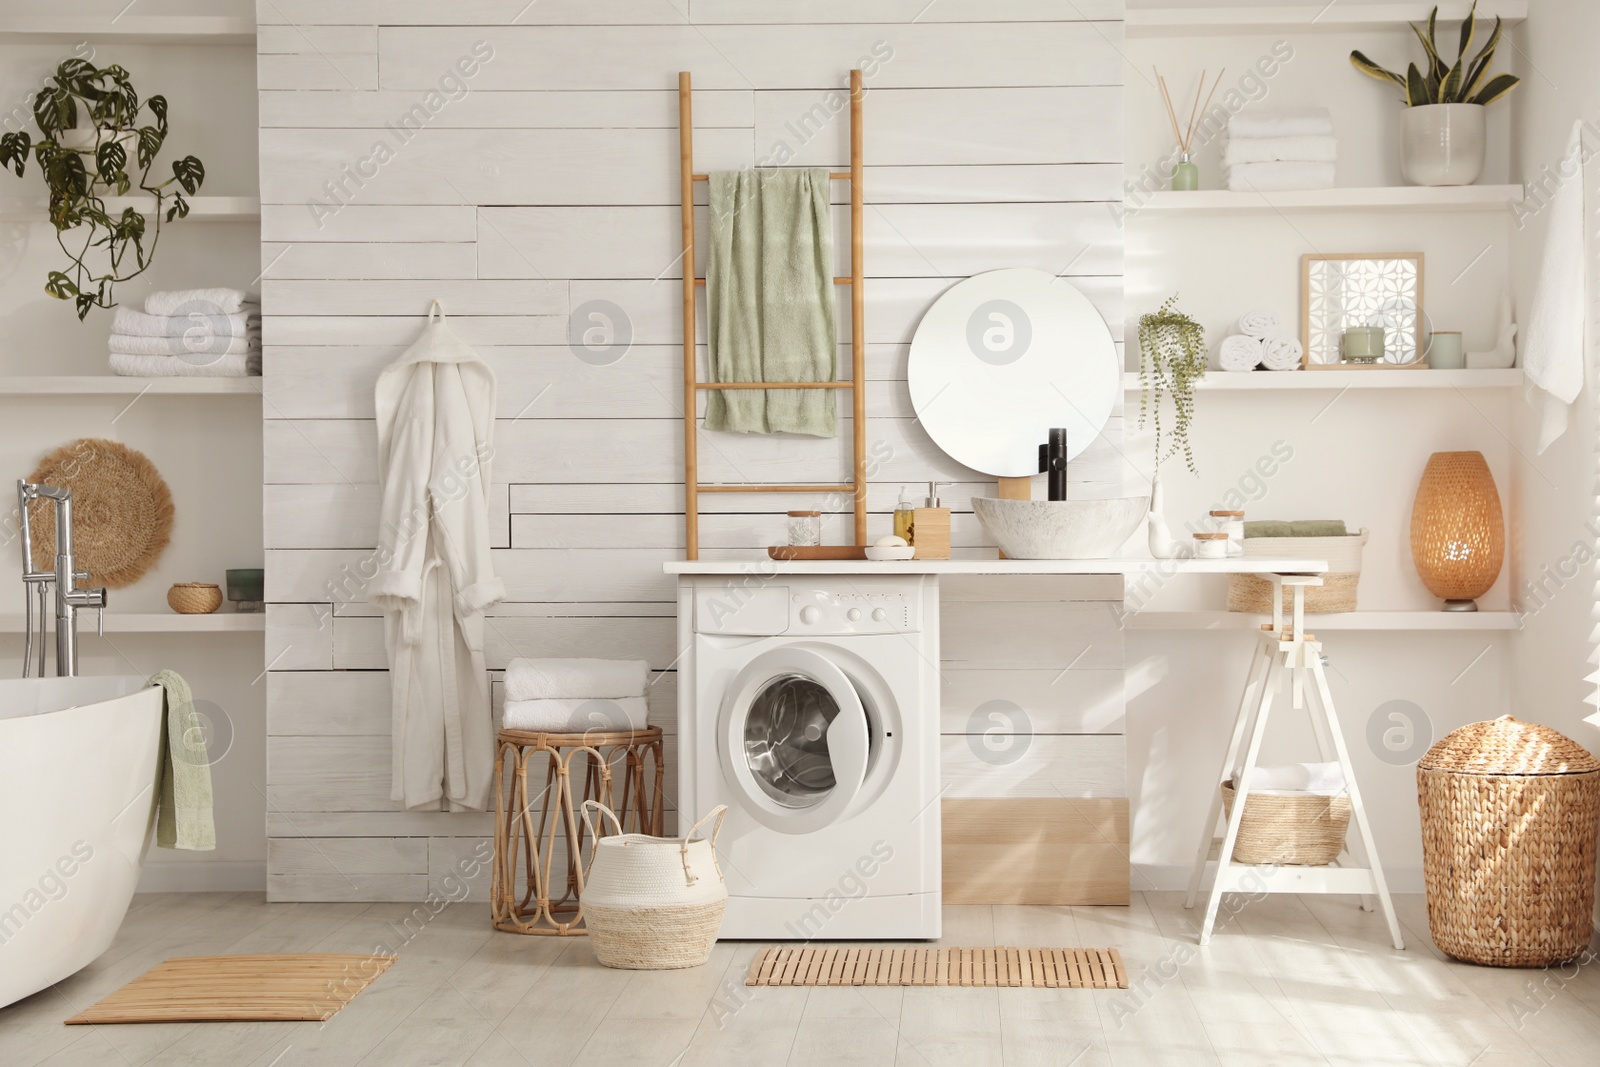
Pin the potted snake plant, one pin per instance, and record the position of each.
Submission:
(1442, 129)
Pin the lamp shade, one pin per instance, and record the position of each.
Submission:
(1458, 539)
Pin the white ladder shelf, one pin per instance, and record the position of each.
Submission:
(1287, 652)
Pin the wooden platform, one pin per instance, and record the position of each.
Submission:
(1041, 968)
(254, 988)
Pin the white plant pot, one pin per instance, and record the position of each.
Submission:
(1442, 144)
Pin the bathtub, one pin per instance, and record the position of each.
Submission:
(77, 789)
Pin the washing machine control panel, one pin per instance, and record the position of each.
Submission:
(855, 609)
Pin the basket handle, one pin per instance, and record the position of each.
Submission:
(593, 833)
(719, 813)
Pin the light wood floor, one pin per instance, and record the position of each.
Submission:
(1288, 980)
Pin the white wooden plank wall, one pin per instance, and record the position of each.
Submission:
(547, 178)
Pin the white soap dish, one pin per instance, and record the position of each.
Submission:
(891, 552)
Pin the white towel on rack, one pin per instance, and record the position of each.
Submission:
(130, 323)
(1281, 122)
(575, 715)
(215, 301)
(131, 366)
(585, 679)
(197, 346)
(1553, 342)
(1240, 353)
(1240, 150)
(1323, 779)
(1282, 353)
(1260, 323)
(1279, 177)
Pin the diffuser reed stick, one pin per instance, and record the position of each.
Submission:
(1184, 134)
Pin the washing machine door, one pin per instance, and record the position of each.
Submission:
(795, 739)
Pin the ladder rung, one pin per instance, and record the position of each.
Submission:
(774, 488)
(837, 175)
(774, 385)
(840, 280)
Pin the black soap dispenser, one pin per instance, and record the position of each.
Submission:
(1053, 461)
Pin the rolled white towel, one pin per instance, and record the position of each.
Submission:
(575, 715)
(132, 323)
(1260, 323)
(131, 366)
(557, 679)
(1240, 150)
(216, 301)
(1279, 177)
(1282, 352)
(195, 347)
(1281, 122)
(1326, 779)
(1241, 353)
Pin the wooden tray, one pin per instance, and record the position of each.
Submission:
(786, 552)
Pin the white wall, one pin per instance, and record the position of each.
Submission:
(207, 448)
(991, 141)
(1355, 455)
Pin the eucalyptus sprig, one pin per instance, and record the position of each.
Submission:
(1464, 81)
(1172, 357)
(79, 178)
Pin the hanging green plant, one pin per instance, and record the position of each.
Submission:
(1172, 357)
(89, 119)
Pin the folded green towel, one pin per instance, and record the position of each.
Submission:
(770, 305)
(1300, 528)
(184, 819)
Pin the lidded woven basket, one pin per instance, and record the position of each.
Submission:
(1509, 816)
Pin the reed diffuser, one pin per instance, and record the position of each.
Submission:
(1185, 175)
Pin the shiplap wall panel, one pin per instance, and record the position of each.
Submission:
(992, 139)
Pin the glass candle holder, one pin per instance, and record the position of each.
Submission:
(1363, 344)
(805, 528)
(1445, 351)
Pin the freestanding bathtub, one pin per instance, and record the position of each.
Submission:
(78, 766)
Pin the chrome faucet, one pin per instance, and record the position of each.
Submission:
(65, 579)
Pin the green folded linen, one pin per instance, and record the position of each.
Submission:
(184, 818)
(1300, 528)
(770, 301)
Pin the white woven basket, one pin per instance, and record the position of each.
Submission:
(653, 903)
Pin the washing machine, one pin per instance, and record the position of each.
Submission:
(809, 705)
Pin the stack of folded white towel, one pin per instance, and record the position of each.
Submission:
(575, 695)
(207, 333)
(1282, 150)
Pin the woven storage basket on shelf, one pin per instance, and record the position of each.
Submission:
(1253, 594)
(194, 598)
(1509, 816)
(653, 903)
(1303, 829)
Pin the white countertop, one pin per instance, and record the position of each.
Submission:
(766, 565)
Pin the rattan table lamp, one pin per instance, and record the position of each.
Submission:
(1458, 535)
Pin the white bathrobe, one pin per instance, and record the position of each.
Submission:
(435, 576)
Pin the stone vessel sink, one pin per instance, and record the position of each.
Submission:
(1060, 529)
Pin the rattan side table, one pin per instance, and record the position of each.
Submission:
(529, 814)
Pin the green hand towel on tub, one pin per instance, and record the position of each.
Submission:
(184, 819)
(770, 301)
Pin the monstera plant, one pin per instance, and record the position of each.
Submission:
(98, 139)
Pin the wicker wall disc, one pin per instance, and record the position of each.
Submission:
(1458, 539)
(121, 511)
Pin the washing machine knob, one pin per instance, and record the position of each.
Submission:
(854, 614)
(809, 615)
(879, 615)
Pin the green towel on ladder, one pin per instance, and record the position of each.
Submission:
(184, 819)
(770, 302)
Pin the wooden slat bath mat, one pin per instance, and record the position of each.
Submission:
(1044, 968)
(255, 988)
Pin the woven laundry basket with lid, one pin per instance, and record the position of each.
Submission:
(653, 903)
(1509, 816)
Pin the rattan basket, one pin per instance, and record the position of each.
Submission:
(1302, 829)
(1253, 594)
(194, 598)
(1509, 816)
(653, 903)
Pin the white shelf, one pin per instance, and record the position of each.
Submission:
(1155, 19)
(155, 623)
(1351, 620)
(146, 29)
(115, 385)
(201, 208)
(1231, 381)
(1412, 199)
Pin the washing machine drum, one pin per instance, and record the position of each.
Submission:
(796, 739)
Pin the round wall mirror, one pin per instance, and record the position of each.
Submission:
(1001, 358)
